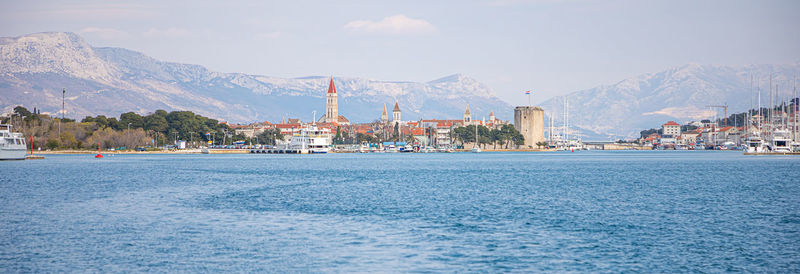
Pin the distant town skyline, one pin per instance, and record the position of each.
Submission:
(552, 47)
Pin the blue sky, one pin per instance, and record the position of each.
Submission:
(550, 46)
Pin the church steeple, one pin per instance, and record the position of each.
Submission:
(331, 86)
(467, 116)
(384, 115)
(396, 112)
(331, 104)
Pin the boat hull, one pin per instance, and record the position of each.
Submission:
(12, 153)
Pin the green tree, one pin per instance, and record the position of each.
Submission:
(338, 138)
(135, 120)
(52, 144)
(112, 123)
(22, 111)
(270, 136)
(156, 123)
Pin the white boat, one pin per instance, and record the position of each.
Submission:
(311, 139)
(407, 148)
(12, 144)
(390, 149)
(781, 141)
(756, 145)
(427, 150)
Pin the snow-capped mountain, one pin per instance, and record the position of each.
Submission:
(34, 68)
(680, 94)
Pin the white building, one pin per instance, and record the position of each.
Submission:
(671, 128)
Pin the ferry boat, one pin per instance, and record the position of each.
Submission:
(311, 139)
(12, 144)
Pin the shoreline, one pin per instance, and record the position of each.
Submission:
(247, 151)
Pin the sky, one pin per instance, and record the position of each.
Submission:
(552, 47)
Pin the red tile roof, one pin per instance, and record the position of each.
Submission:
(726, 129)
(672, 123)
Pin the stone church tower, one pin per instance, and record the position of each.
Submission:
(467, 116)
(396, 113)
(332, 104)
(384, 115)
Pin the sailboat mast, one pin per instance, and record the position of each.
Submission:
(567, 113)
(750, 109)
(760, 116)
(770, 106)
(794, 111)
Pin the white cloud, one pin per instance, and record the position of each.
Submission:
(105, 33)
(396, 24)
(170, 32)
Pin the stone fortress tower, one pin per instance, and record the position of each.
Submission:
(529, 121)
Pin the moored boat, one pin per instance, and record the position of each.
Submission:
(12, 144)
(311, 139)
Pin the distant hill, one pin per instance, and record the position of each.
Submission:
(646, 101)
(34, 68)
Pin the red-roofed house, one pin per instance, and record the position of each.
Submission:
(671, 128)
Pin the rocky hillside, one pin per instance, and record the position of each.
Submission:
(34, 69)
(623, 109)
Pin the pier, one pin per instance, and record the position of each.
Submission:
(279, 151)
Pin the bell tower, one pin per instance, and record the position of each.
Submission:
(332, 104)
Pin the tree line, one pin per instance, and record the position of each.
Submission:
(507, 136)
(129, 130)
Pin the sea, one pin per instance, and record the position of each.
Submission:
(587, 211)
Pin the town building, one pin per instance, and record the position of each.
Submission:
(671, 128)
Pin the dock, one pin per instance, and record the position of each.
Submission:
(34, 157)
(772, 153)
(280, 151)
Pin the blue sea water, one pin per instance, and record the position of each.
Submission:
(654, 211)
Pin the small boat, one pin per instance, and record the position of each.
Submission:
(12, 144)
(427, 150)
(476, 148)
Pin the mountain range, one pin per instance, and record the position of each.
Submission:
(102, 80)
(682, 94)
(109, 81)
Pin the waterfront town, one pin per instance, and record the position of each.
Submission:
(389, 132)
(763, 130)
